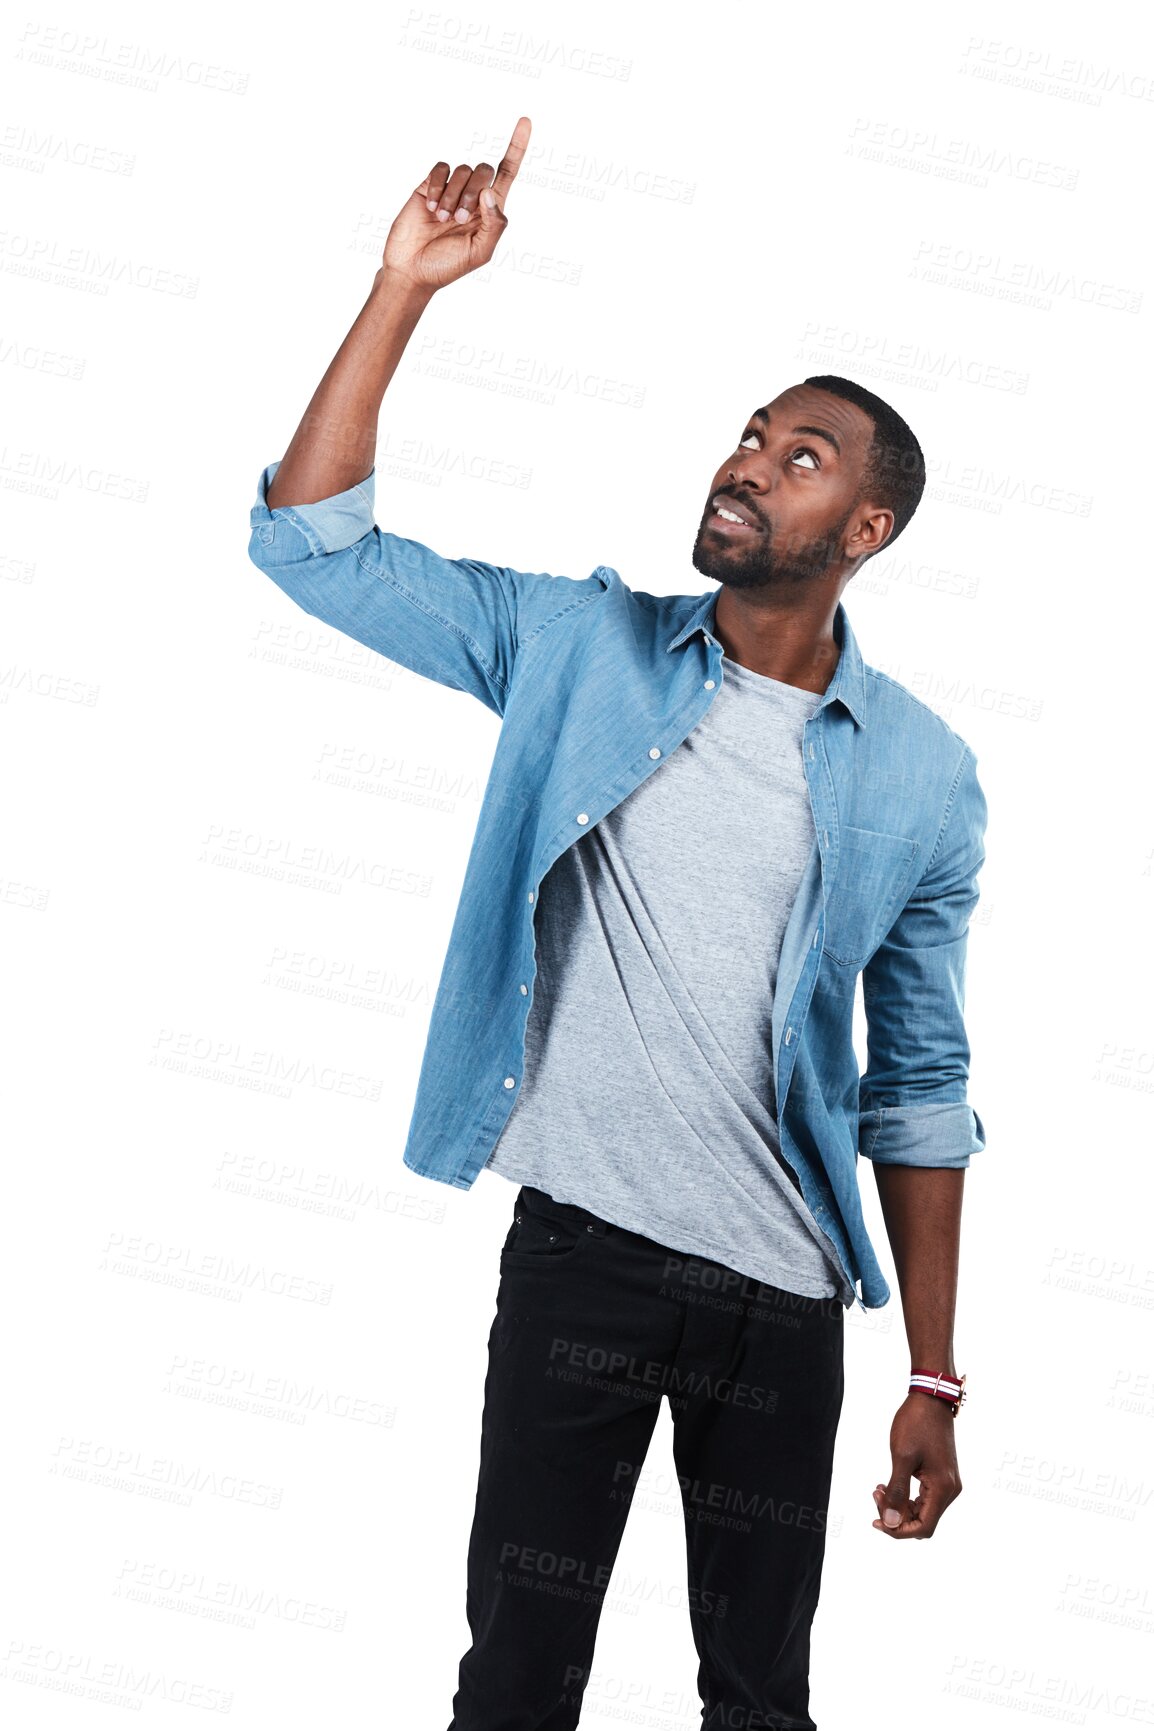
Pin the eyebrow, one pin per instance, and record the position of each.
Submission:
(817, 432)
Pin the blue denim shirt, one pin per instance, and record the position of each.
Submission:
(596, 684)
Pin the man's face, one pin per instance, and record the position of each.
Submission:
(792, 480)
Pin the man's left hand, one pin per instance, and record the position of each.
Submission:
(921, 1447)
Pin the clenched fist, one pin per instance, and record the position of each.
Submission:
(452, 222)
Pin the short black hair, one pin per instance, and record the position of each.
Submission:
(895, 469)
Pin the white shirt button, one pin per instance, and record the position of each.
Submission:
(530, 895)
(582, 817)
(510, 1082)
(812, 753)
(788, 1035)
(654, 752)
(525, 989)
(709, 684)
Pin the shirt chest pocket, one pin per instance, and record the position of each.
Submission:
(874, 877)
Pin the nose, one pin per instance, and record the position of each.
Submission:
(742, 475)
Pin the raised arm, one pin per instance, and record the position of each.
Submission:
(449, 226)
(312, 526)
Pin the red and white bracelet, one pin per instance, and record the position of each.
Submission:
(949, 1388)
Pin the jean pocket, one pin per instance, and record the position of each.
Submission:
(540, 1235)
(873, 877)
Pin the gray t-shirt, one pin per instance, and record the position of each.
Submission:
(647, 1088)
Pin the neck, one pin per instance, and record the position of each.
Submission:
(790, 642)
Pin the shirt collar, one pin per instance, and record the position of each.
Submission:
(848, 685)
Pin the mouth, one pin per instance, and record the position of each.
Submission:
(729, 518)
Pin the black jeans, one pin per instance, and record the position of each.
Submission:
(593, 1325)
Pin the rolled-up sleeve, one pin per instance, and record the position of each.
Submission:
(457, 621)
(913, 1106)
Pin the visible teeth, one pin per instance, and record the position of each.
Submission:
(730, 516)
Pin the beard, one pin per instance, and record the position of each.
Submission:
(755, 565)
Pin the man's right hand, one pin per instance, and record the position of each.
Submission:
(447, 228)
(334, 445)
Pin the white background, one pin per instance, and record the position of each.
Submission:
(244, 1346)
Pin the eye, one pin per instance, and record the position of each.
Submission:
(752, 441)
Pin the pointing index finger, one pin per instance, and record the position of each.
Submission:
(512, 159)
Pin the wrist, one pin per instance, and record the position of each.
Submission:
(397, 285)
(941, 1386)
(937, 1358)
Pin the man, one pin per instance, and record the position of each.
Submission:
(706, 818)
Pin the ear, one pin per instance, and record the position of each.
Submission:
(872, 532)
